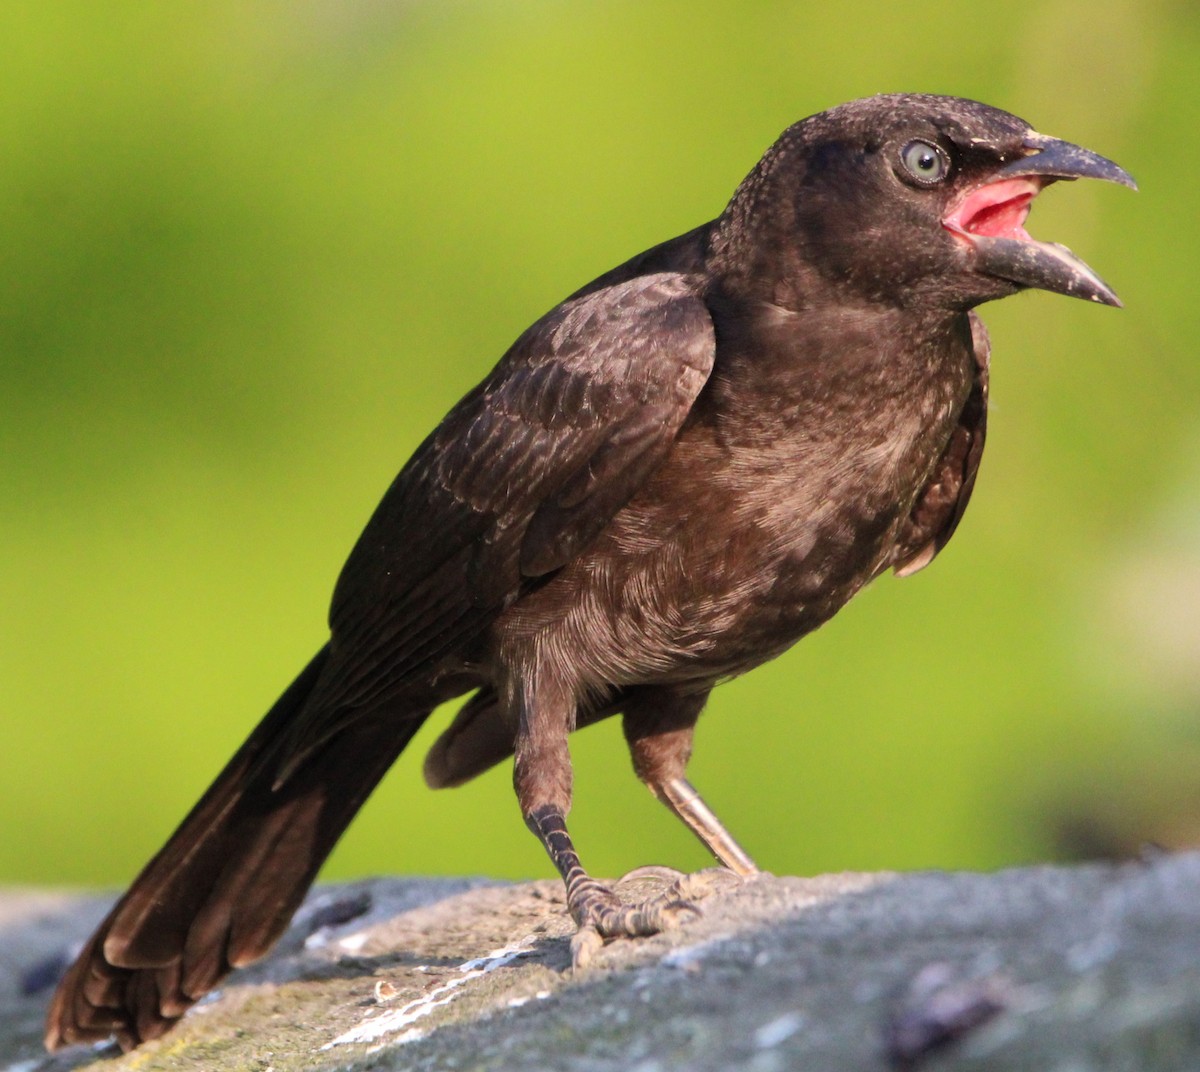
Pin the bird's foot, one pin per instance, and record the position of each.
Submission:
(601, 914)
(690, 886)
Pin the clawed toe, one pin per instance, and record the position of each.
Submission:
(613, 918)
(602, 915)
(584, 944)
(712, 880)
(651, 871)
(658, 898)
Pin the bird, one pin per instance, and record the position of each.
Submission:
(667, 480)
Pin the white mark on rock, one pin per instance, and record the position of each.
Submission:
(209, 999)
(352, 943)
(782, 1028)
(688, 957)
(388, 1023)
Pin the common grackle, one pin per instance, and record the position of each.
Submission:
(668, 479)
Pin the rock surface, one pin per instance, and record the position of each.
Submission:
(1049, 969)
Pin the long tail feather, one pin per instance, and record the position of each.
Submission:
(224, 887)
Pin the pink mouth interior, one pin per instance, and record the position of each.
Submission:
(997, 210)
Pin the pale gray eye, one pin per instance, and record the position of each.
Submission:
(924, 162)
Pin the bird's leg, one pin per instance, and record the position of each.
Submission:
(597, 911)
(542, 778)
(658, 728)
(679, 795)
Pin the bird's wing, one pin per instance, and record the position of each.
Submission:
(940, 506)
(521, 475)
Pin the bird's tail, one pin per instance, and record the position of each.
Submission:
(224, 887)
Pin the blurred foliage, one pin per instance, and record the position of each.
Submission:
(250, 252)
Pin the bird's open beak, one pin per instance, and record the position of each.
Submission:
(991, 218)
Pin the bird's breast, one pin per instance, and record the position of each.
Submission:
(780, 500)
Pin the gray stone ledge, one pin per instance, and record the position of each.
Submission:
(1053, 969)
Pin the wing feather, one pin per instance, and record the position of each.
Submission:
(518, 479)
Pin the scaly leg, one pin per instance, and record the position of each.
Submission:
(679, 795)
(596, 909)
(542, 778)
(659, 725)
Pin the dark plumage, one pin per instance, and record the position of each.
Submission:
(667, 480)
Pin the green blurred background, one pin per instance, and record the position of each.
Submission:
(250, 251)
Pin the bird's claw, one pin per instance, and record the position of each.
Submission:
(652, 872)
(684, 885)
(584, 943)
(602, 915)
(712, 880)
(614, 919)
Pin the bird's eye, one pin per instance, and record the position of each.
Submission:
(924, 162)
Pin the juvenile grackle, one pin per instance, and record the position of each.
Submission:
(668, 479)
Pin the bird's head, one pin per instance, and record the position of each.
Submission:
(913, 199)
